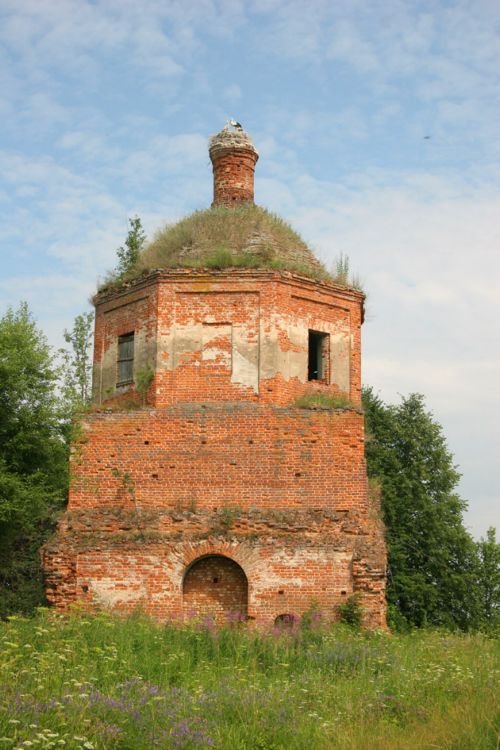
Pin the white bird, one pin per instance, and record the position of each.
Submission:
(235, 124)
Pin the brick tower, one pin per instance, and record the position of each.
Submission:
(203, 483)
(233, 157)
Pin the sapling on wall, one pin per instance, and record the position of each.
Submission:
(143, 379)
(128, 255)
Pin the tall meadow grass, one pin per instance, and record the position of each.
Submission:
(93, 682)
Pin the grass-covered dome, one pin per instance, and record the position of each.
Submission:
(233, 233)
(242, 237)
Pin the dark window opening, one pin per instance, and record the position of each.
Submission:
(125, 359)
(319, 355)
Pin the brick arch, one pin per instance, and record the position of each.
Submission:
(215, 586)
(238, 551)
(286, 621)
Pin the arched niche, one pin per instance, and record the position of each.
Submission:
(215, 586)
(286, 621)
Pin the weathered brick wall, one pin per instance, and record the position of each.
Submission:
(289, 560)
(234, 177)
(221, 476)
(233, 157)
(219, 455)
(131, 310)
(281, 491)
(232, 335)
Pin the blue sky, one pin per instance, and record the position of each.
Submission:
(105, 111)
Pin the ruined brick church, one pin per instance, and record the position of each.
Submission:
(217, 473)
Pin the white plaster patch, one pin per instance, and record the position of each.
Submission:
(340, 361)
(245, 358)
(188, 340)
(217, 344)
(296, 561)
(125, 580)
(106, 594)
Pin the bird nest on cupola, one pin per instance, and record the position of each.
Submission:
(231, 135)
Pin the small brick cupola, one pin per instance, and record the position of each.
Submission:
(233, 157)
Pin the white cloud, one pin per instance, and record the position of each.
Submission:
(348, 46)
(72, 39)
(444, 56)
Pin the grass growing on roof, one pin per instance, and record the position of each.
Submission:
(320, 400)
(245, 236)
(220, 237)
(95, 682)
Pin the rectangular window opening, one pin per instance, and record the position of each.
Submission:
(319, 356)
(125, 359)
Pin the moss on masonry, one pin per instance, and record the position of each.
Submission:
(320, 400)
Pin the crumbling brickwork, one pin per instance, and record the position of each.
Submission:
(216, 493)
(233, 157)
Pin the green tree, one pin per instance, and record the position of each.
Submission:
(488, 583)
(33, 457)
(432, 558)
(77, 364)
(128, 255)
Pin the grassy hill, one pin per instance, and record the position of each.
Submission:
(98, 682)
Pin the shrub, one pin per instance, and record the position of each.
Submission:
(351, 612)
(143, 379)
